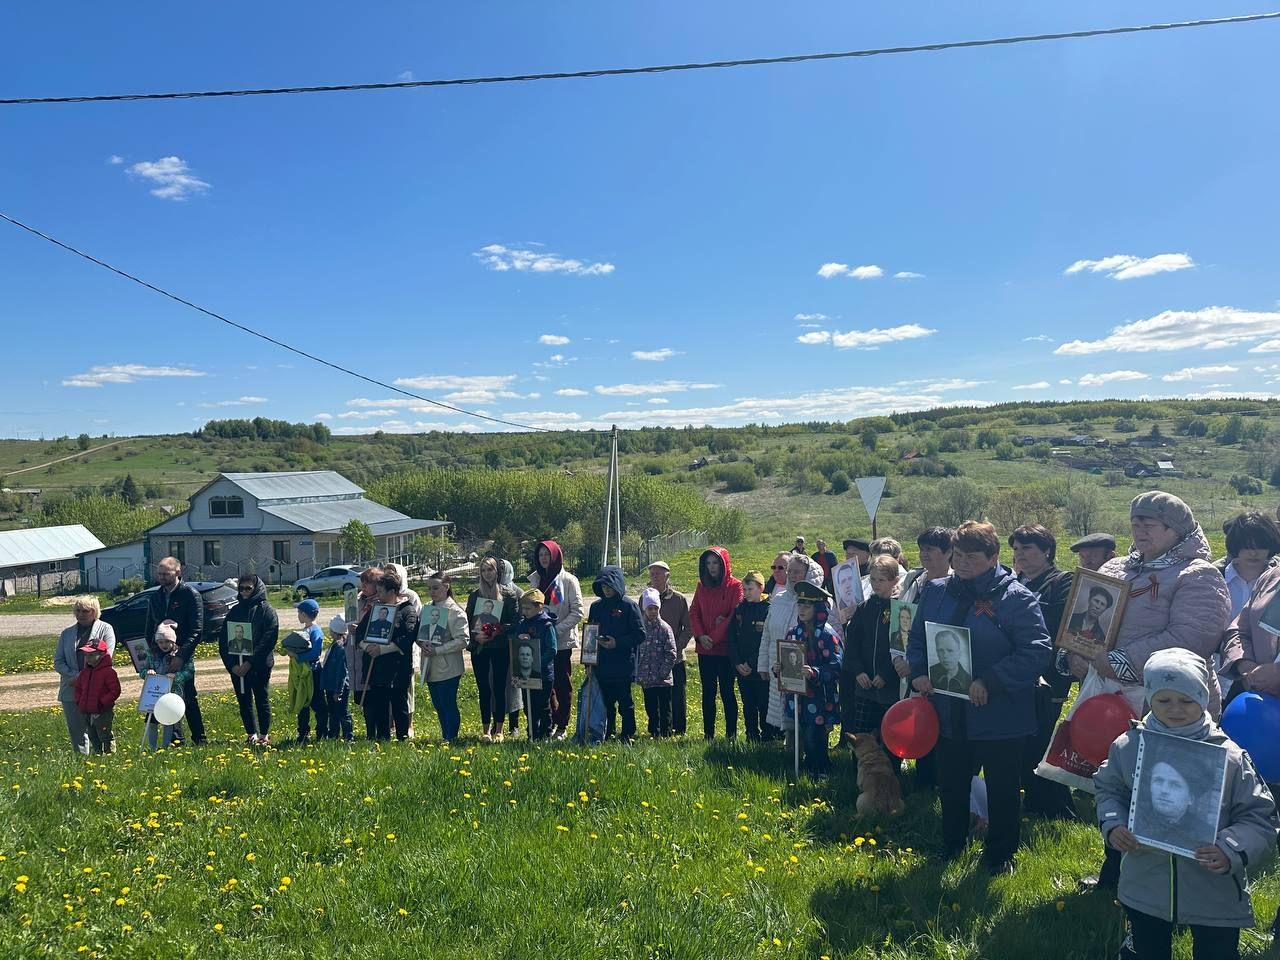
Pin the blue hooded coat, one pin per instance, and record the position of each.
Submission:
(618, 617)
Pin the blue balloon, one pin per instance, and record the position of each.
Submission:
(1253, 721)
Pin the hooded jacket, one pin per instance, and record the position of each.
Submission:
(1177, 600)
(542, 627)
(714, 601)
(1175, 888)
(265, 624)
(866, 650)
(1010, 649)
(333, 676)
(656, 655)
(97, 687)
(746, 632)
(563, 593)
(619, 618)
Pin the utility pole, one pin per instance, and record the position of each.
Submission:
(612, 505)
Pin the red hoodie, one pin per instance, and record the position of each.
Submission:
(713, 604)
(97, 688)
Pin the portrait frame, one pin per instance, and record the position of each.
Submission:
(949, 685)
(138, 653)
(153, 688)
(433, 628)
(351, 605)
(1194, 763)
(242, 645)
(846, 581)
(897, 641)
(1086, 584)
(590, 653)
(380, 635)
(791, 657)
(518, 679)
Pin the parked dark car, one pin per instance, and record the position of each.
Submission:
(129, 617)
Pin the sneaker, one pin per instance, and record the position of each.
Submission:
(264, 741)
(486, 737)
(497, 737)
(251, 740)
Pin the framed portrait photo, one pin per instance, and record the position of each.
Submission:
(138, 654)
(791, 677)
(239, 639)
(950, 653)
(1177, 792)
(153, 688)
(901, 616)
(382, 619)
(526, 662)
(433, 628)
(847, 581)
(351, 606)
(591, 644)
(1092, 620)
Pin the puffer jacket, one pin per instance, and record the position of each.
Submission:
(68, 660)
(97, 687)
(445, 661)
(714, 601)
(1180, 604)
(1245, 639)
(1175, 888)
(265, 623)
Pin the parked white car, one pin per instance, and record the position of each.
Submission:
(328, 580)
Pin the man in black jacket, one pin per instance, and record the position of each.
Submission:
(181, 603)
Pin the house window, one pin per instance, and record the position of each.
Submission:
(213, 553)
(226, 506)
(282, 551)
(178, 550)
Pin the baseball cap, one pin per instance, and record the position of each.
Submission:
(309, 607)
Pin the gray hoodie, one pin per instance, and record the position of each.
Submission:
(1175, 888)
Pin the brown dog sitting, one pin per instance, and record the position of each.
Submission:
(878, 789)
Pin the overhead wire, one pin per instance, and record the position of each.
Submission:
(634, 71)
(262, 336)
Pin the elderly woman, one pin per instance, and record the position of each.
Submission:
(987, 726)
(1176, 599)
(1253, 540)
(68, 662)
(778, 624)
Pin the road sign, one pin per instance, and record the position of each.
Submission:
(870, 489)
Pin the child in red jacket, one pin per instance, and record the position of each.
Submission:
(97, 689)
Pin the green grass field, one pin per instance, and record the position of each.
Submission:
(666, 850)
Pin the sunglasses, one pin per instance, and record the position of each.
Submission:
(778, 566)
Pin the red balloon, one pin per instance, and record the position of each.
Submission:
(1096, 724)
(910, 728)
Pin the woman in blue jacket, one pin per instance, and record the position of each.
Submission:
(1009, 649)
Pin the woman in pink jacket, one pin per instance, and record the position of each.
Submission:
(718, 594)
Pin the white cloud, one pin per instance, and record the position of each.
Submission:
(945, 386)
(495, 256)
(1115, 376)
(1123, 266)
(1039, 338)
(640, 389)
(829, 270)
(126, 373)
(1038, 385)
(418, 426)
(553, 340)
(115, 160)
(172, 177)
(867, 272)
(241, 402)
(1233, 395)
(1208, 329)
(864, 339)
(1066, 383)
(817, 336)
(572, 392)
(656, 355)
(811, 316)
(491, 383)
(406, 75)
(323, 416)
(1267, 346)
(908, 275)
(659, 400)
(1195, 373)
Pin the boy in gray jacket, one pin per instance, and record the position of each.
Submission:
(1160, 890)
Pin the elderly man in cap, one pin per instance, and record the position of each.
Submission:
(1094, 550)
(674, 609)
(855, 548)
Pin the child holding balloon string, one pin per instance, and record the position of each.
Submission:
(164, 661)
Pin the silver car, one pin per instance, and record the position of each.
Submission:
(328, 580)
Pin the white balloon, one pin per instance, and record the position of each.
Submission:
(169, 709)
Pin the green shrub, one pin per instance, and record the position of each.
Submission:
(840, 482)
(736, 477)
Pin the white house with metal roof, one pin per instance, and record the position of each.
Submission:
(29, 556)
(281, 526)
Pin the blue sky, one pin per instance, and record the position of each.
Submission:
(819, 241)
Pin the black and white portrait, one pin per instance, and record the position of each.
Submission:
(901, 616)
(791, 677)
(381, 621)
(526, 670)
(591, 644)
(1177, 792)
(1093, 614)
(848, 585)
(950, 659)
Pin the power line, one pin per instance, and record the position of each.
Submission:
(631, 71)
(262, 336)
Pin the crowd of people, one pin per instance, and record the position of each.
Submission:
(1200, 622)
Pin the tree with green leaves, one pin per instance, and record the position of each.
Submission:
(356, 541)
(129, 491)
(83, 441)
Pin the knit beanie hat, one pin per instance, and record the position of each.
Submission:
(338, 626)
(1177, 669)
(1165, 507)
(650, 598)
(166, 632)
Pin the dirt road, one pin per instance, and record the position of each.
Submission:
(52, 624)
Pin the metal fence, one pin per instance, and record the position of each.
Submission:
(54, 582)
(659, 547)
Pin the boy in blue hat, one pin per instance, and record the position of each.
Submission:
(308, 659)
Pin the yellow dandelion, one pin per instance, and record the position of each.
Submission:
(285, 881)
(251, 857)
(403, 912)
(777, 942)
(561, 828)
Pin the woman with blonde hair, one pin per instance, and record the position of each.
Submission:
(68, 661)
